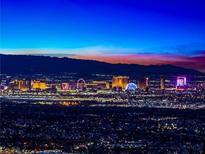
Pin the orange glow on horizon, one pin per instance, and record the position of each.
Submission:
(147, 59)
(130, 59)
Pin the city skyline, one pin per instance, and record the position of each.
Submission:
(148, 33)
(102, 76)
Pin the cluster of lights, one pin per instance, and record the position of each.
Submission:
(181, 82)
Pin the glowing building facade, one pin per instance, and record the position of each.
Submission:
(119, 82)
(20, 85)
(162, 83)
(103, 85)
(181, 82)
(38, 85)
(65, 86)
(143, 84)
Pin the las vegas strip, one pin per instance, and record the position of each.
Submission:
(102, 77)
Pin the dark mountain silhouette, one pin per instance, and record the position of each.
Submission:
(29, 64)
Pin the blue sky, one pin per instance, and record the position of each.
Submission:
(172, 27)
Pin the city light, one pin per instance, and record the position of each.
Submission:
(181, 82)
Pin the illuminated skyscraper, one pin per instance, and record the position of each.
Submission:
(181, 82)
(20, 85)
(162, 83)
(143, 84)
(38, 85)
(119, 82)
(65, 86)
(147, 82)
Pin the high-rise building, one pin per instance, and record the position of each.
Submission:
(72, 85)
(147, 82)
(119, 82)
(143, 84)
(181, 82)
(38, 85)
(19, 85)
(102, 84)
(162, 83)
(65, 86)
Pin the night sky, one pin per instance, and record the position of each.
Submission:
(117, 31)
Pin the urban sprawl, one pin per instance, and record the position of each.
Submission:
(107, 114)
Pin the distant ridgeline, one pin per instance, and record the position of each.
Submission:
(29, 65)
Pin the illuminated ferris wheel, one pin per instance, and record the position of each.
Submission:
(81, 83)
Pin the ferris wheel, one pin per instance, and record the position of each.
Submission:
(81, 83)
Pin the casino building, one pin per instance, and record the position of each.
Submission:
(21, 85)
(143, 84)
(181, 83)
(38, 85)
(119, 82)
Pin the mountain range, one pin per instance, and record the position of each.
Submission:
(30, 64)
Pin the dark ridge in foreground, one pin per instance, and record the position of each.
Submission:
(29, 64)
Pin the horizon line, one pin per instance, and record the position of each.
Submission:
(116, 60)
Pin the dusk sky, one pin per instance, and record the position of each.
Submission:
(117, 31)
